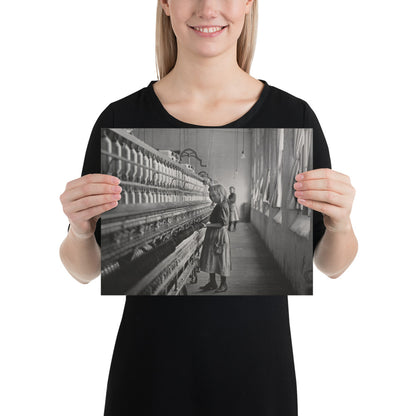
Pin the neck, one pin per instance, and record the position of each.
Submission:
(205, 76)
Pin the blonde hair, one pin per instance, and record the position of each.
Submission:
(167, 49)
(219, 190)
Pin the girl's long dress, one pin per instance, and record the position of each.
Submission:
(210, 261)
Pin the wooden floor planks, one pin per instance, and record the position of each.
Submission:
(254, 270)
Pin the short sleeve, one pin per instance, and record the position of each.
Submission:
(321, 159)
(92, 159)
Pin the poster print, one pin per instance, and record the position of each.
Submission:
(206, 211)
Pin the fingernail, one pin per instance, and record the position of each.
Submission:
(299, 177)
(116, 181)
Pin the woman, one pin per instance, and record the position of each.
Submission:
(206, 355)
(216, 250)
(232, 199)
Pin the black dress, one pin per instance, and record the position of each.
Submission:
(205, 355)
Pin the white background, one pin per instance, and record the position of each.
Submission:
(64, 62)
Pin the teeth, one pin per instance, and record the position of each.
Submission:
(208, 29)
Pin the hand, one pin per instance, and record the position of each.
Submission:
(328, 192)
(86, 198)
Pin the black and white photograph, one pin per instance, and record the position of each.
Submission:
(207, 211)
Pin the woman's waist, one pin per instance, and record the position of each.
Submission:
(217, 230)
(218, 227)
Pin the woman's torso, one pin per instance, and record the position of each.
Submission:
(219, 213)
(232, 199)
(173, 347)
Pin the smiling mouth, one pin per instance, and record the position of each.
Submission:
(208, 29)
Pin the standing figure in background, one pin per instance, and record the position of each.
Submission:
(232, 198)
(216, 248)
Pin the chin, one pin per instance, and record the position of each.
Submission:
(211, 51)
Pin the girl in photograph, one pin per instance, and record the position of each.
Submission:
(206, 355)
(232, 199)
(216, 249)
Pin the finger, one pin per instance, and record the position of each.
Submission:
(323, 173)
(328, 197)
(88, 202)
(324, 184)
(92, 212)
(89, 189)
(332, 211)
(93, 178)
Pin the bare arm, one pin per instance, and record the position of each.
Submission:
(81, 257)
(83, 201)
(336, 251)
(332, 194)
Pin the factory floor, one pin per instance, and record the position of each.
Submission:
(254, 270)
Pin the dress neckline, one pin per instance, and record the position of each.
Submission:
(236, 123)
